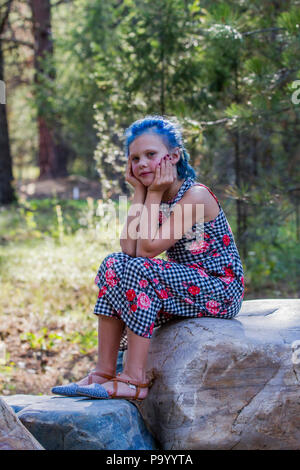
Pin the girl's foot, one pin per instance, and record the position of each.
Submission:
(124, 389)
(95, 377)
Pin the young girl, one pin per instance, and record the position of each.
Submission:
(138, 291)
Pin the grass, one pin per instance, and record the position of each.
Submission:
(47, 268)
(50, 251)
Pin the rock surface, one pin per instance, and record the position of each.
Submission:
(13, 435)
(228, 384)
(70, 423)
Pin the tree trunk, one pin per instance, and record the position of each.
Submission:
(7, 193)
(240, 206)
(52, 152)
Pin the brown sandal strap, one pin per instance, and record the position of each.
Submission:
(137, 393)
(131, 382)
(98, 374)
(114, 394)
(137, 386)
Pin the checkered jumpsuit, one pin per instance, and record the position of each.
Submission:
(199, 279)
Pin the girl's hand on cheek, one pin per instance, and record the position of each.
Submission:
(131, 179)
(164, 176)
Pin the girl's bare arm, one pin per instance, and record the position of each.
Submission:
(129, 235)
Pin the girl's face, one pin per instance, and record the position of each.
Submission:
(146, 152)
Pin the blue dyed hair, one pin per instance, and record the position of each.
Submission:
(169, 133)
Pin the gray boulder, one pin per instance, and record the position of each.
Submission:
(13, 435)
(65, 423)
(228, 384)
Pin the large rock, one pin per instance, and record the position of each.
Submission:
(13, 435)
(228, 384)
(65, 423)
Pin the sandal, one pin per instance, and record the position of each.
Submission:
(98, 391)
(70, 390)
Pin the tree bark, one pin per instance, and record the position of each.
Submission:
(7, 192)
(52, 152)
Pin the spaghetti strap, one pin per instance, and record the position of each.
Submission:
(199, 184)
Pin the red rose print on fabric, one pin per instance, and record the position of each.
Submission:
(229, 275)
(198, 247)
(113, 282)
(226, 240)
(133, 308)
(148, 331)
(143, 283)
(151, 328)
(229, 272)
(163, 294)
(194, 290)
(130, 295)
(157, 261)
(110, 277)
(223, 313)
(110, 261)
(213, 307)
(143, 301)
(102, 291)
(156, 281)
(147, 264)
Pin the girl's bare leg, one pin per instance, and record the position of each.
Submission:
(109, 336)
(135, 366)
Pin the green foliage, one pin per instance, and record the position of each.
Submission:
(290, 20)
(226, 71)
(87, 340)
(41, 340)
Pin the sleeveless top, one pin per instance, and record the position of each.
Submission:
(216, 252)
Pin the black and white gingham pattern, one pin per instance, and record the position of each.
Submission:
(147, 292)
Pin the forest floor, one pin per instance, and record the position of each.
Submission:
(48, 332)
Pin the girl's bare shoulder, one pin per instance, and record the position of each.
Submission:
(201, 195)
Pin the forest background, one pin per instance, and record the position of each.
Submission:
(73, 75)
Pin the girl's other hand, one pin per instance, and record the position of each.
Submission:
(131, 179)
(165, 176)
